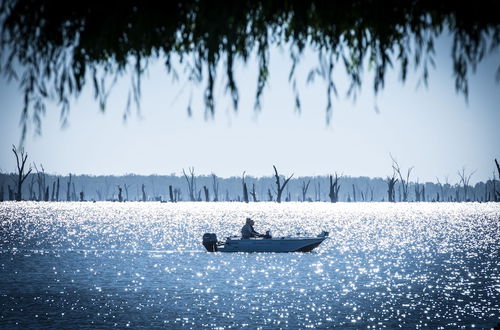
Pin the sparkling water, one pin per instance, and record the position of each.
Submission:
(386, 265)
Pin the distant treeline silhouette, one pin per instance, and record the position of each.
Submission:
(40, 186)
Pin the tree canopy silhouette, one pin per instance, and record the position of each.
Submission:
(55, 48)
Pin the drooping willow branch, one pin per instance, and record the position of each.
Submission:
(53, 49)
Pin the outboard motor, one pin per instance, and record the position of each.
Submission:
(210, 242)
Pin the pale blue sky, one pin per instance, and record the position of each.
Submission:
(430, 128)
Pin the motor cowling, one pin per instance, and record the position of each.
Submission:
(210, 242)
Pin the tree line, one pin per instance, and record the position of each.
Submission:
(31, 182)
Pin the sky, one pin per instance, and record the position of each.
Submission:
(430, 128)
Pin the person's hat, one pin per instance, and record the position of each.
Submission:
(249, 220)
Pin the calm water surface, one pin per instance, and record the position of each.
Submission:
(416, 265)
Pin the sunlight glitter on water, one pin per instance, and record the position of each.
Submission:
(142, 264)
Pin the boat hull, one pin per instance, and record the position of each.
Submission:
(277, 245)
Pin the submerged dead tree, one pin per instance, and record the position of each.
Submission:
(464, 179)
(207, 194)
(120, 197)
(280, 187)
(68, 191)
(144, 197)
(391, 192)
(170, 193)
(245, 189)
(253, 193)
(404, 182)
(21, 176)
(191, 182)
(305, 187)
(215, 187)
(334, 189)
(495, 192)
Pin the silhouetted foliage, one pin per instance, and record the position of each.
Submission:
(55, 47)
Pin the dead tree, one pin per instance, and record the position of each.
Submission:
(74, 191)
(1, 193)
(120, 197)
(126, 186)
(40, 178)
(245, 189)
(279, 186)
(495, 192)
(31, 192)
(464, 179)
(68, 192)
(215, 187)
(334, 189)
(191, 182)
(353, 192)
(418, 192)
(317, 191)
(57, 190)
(391, 192)
(269, 195)
(404, 183)
(207, 194)
(82, 196)
(170, 193)
(143, 188)
(253, 193)
(21, 176)
(305, 186)
(11, 193)
(52, 198)
(177, 195)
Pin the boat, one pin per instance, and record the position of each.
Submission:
(263, 244)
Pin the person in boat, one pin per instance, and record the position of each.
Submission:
(247, 231)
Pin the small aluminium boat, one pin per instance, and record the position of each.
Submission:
(264, 244)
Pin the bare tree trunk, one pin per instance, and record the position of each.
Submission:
(280, 187)
(207, 196)
(464, 179)
(334, 189)
(245, 189)
(270, 195)
(1, 193)
(21, 176)
(171, 193)
(68, 193)
(391, 182)
(57, 190)
(305, 186)
(404, 183)
(191, 183)
(253, 193)
(82, 196)
(125, 186)
(120, 197)
(11, 193)
(52, 198)
(215, 187)
(144, 198)
(354, 193)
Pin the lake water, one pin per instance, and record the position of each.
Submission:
(409, 265)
